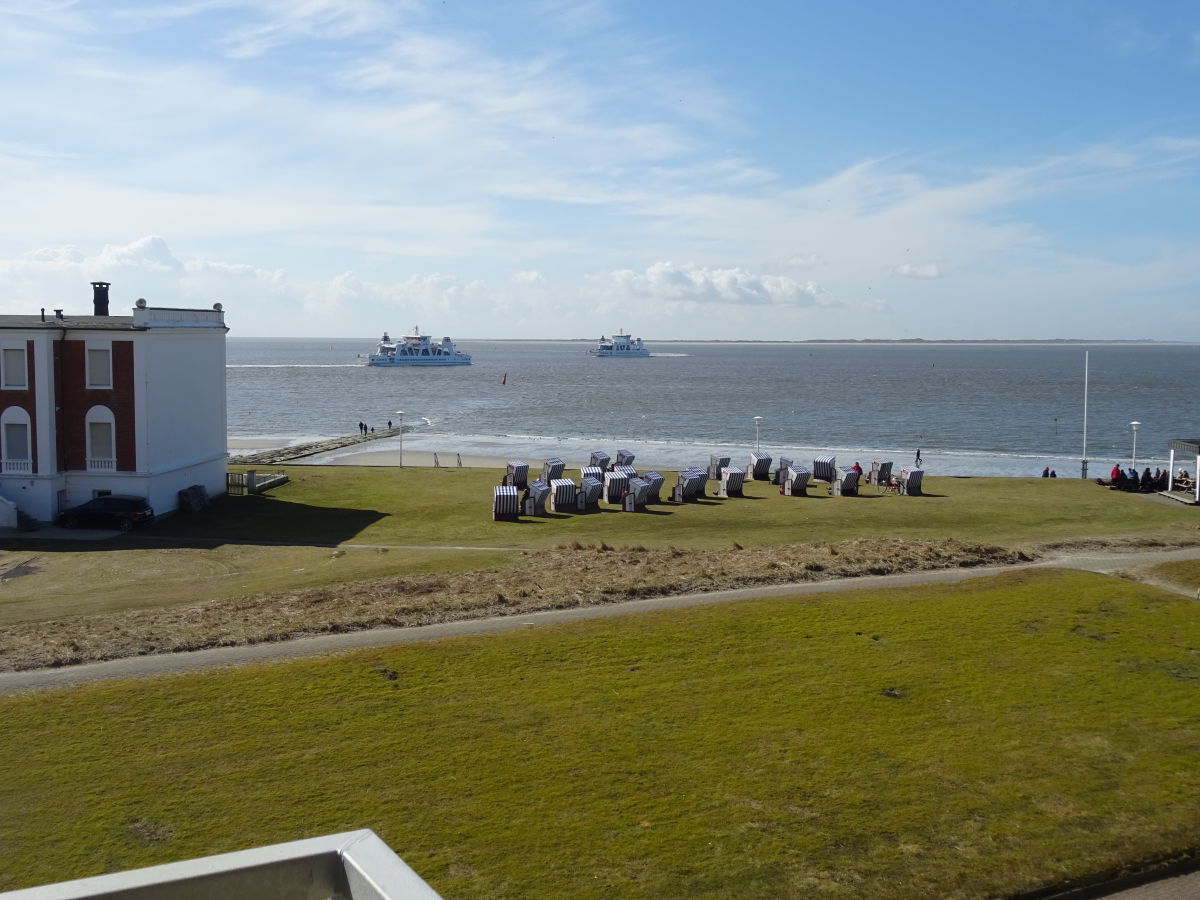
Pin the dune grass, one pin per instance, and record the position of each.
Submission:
(1185, 573)
(957, 741)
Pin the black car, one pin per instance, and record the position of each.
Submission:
(112, 511)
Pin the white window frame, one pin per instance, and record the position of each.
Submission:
(14, 386)
(15, 415)
(95, 416)
(89, 348)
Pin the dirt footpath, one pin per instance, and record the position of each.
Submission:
(345, 612)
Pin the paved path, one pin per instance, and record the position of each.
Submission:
(219, 657)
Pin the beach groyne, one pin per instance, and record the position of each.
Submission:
(299, 451)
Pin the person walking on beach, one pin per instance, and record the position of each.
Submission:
(917, 461)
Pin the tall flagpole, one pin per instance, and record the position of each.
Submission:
(1085, 390)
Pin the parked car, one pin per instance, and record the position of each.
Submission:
(111, 511)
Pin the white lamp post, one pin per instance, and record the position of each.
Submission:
(400, 413)
(1134, 426)
(757, 426)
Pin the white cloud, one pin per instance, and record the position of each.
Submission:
(690, 283)
(923, 272)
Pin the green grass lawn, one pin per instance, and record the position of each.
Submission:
(453, 507)
(958, 741)
(450, 508)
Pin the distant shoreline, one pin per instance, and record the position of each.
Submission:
(923, 342)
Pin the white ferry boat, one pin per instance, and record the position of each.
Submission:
(417, 349)
(620, 344)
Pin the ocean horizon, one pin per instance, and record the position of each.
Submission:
(972, 407)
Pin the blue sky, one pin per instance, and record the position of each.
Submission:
(993, 169)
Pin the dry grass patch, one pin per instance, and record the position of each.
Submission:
(574, 575)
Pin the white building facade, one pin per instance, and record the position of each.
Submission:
(101, 404)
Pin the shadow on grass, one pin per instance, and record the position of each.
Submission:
(262, 519)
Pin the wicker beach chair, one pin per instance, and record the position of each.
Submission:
(626, 470)
(590, 491)
(759, 468)
(518, 474)
(881, 474)
(505, 503)
(731, 483)
(635, 497)
(715, 465)
(600, 459)
(536, 496)
(910, 482)
(795, 482)
(624, 458)
(592, 472)
(823, 467)
(845, 482)
(655, 481)
(781, 470)
(615, 486)
(552, 468)
(562, 495)
(690, 485)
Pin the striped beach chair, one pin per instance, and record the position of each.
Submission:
(795, 482)
(505, 503)
(715, 465)
(635, 497)
(535, 497)
(781, 470)
(615, 486)
(881, 474)
(590, 491)
(845, 482)
(518, 474)
(656, 482)
(823, 468)
(552, 468)
(731, 483)
(690, 485)
(624, 458)
(600, 459)
(759, 468)
(910, 481)
(562, 495)
(626, 470)
(592, 472)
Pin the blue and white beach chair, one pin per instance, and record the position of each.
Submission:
(615, 486)
(795, 482)
(552, 468)
(505, 503)
(823, 467)
(731, 483)
(759, 468)
(562, 495)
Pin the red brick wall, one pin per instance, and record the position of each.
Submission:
(75, 398)
(26, 400)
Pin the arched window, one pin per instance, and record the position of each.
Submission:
(100, 427)
(15, 446)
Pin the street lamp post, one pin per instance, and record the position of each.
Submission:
(757, 426)
(400, 426)
(1134, 426)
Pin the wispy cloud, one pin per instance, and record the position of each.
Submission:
(925, 272)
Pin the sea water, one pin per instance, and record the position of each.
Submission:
(971, 409)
